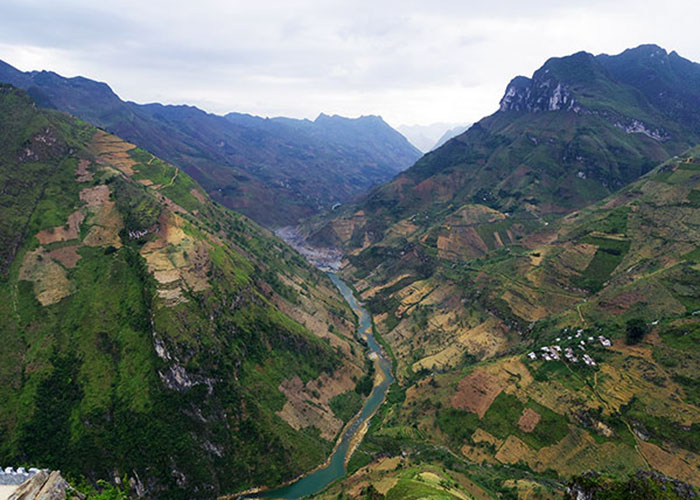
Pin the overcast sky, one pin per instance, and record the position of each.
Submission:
(409, 61)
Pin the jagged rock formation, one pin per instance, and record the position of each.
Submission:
(541, 93)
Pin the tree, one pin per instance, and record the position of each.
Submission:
(637, 328)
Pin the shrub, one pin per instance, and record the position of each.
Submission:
(636, 330)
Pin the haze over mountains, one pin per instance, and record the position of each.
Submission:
(273, 170)
(429, 137)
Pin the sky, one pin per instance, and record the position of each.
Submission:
(412, 62)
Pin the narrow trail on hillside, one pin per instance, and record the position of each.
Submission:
(172, 181)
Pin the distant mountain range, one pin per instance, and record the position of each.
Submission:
(273, 170)
(453, 132)
(428, 137)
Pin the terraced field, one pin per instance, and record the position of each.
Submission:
(470, 397)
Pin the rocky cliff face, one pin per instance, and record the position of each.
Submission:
(538, 94)
(600, 85)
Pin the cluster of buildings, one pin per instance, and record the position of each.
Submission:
(10, 476)
(555, 353)
(137, 234)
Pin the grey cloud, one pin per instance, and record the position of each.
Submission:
(410, 61)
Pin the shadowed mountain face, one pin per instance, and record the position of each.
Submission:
(581, 128)
(273, 170)
(152, 333)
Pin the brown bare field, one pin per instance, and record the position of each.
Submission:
(487, 339)
(477, 454)
(513, 451)
(528, 420)
(95, 196)
(476, 392)
(370, 292)
(639, 350)
(68, 256)
(113, 151)
(176, 260)
(671, 464)
(303, 408)
(104, 217)
(82, 174)
(540, 238)
(51, 283)
(524, 303)
(461, 241)
(481, 436)
(70, 231)
(574, 258)
(412, 295)
(402, 228)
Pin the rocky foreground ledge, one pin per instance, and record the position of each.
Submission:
(45, 485)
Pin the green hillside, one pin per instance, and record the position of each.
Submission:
(568, 216)
(149, 333)
(471, 406)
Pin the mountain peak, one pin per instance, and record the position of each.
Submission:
(323, 117)
(646, 50)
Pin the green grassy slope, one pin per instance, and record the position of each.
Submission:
(467, 389)
(147, 331)
(568, 214)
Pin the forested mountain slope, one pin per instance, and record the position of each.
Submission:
(150, 334)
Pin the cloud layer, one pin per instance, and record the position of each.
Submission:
(407, 60)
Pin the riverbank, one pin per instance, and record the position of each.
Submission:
(325, 259)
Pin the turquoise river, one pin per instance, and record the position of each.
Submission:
(335, 467)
